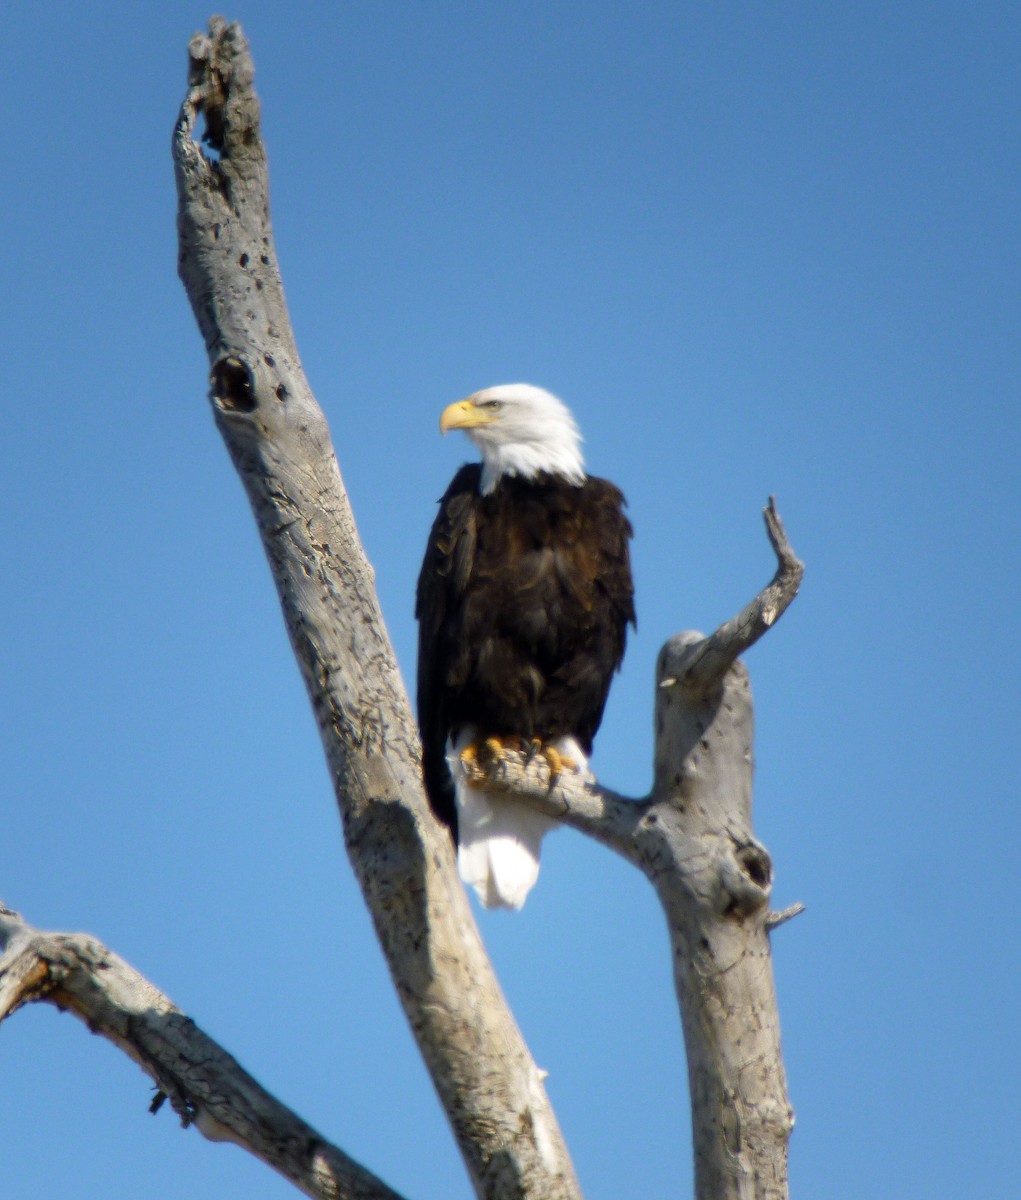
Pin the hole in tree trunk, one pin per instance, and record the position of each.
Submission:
(233, 386)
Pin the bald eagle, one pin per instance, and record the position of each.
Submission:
(523, 604)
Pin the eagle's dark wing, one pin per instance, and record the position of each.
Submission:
(442, 655)
(612, 594)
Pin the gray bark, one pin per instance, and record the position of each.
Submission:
(692, 836)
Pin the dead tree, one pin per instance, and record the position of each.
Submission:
(692, 836)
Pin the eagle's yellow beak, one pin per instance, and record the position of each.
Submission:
(465, 414)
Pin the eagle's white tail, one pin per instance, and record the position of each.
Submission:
(500, 837)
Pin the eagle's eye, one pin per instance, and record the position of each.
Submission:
(493, 405)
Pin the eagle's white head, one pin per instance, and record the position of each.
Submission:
(521, 430)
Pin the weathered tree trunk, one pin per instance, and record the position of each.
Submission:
(716, 896)
(280, 444)
(692, 836)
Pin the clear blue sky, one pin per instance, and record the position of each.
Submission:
(757, 248)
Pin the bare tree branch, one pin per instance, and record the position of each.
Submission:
(205, 1085)
(776, 919)
(280, 444)
(577, 800)
(708, 661)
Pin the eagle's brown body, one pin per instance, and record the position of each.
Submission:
(523, 604)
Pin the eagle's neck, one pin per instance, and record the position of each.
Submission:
(529, 460)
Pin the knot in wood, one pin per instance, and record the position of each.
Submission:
(746, 876)
(232, 385)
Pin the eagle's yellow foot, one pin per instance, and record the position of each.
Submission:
(481, 759)
(558, 763)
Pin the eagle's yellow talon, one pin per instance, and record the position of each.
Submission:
(481, 759)
(496, 749)
(469, 756)
(473, 769)
(558, 763)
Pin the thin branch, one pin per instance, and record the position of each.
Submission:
(578, 800)
(709, 661)
(205, 1085)
(776, 919)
